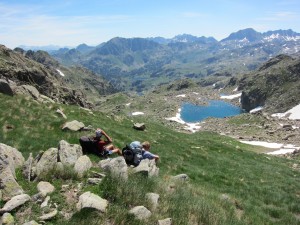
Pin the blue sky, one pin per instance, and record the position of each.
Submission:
(72, 22)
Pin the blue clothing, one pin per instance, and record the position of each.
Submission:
(148, 155)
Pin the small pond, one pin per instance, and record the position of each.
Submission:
(219, 109)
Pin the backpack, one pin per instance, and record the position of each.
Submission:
(132, 153)
(89, 145)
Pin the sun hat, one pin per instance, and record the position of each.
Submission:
(98, 132)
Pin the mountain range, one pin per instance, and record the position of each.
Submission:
(143, 63)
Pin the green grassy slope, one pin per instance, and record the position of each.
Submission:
(262, 189)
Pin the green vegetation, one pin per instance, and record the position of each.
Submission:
(229, 183)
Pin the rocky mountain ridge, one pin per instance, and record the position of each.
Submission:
(142, 63)
(275, 85)
(75, 85)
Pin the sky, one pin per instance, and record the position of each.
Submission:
(73, 22)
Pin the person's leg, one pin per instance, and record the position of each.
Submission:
(117, 150)
(113, 149)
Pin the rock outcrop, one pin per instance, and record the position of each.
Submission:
(68, 153)
(10, 159)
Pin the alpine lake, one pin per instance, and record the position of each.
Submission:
(216, 108)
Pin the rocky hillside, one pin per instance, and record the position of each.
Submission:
(203, 178)
(39, 70)
(275, 85)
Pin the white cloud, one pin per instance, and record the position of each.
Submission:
(21, 27)
(280, 16)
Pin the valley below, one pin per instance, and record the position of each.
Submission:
(258, 126)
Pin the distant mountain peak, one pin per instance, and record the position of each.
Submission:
(242, 35)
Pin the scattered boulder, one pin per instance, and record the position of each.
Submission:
(15, 158)
(153, 200)
(68, 153)
(28, 90)
(167, 221)
(94, 181)
(27, 168)
(7, 219)
(6, 88)
(73, 126)
(49, 216)
(47, 161)
(139, 126)
(140, 212)
(45, 188)
(38, 198)
(181, 177)
(117, 166)
(9, 186)
(89, 200)
(147, 167)
(45, 202)
(32, 222)
(15, 202)
(61, 113)
(45, 99)
(82, 165)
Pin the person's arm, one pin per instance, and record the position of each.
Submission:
(109, 139)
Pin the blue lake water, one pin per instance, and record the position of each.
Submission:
(216, 108)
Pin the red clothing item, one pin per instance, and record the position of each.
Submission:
(101, 145)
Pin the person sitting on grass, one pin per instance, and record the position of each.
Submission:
(104, 144)
(146, 154)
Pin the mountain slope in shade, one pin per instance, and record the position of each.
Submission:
(275, 85)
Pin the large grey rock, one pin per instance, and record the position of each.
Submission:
(89, 200)
(82, 165)
(7, 219)
(14, 158)
(45, 188)
(68, 153)
(153, 200)
(15, 202)
(140, 212)
(8, 185)
(49, 215)
(147, 167)
(6, 88)
(167, 221)
(73, 126)
(28, 90)
(116, 166)
(47, 161)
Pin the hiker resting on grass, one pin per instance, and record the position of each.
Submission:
(146, 154)
(104, 143)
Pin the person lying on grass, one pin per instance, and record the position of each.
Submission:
(104, 143)
(146, 154)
